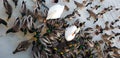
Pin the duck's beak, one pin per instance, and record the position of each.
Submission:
(10, 30)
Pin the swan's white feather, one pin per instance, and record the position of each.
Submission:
(55, 11)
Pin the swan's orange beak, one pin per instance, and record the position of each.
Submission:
(73, 34)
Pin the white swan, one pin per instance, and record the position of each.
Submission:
(70, 32)
(55, 11)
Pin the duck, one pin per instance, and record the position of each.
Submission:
(93, 15)
(8, 9)
(27, 25)
(15, 28)
(23, 46)
(23, 10)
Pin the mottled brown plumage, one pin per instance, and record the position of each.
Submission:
(99, 28)
(15, 28)
(80, 5)
(67, 0)
(27, 25)
(23, 46)
(23, 9)
(66, 8)
(93, 15)
(8, 8)
(38, 52)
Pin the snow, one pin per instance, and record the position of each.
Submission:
(8, 42)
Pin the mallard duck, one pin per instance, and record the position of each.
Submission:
(8, 8)
(42, 10)
(38, 52)
(79, 5)
(23, 46)
(23, 9)
(93, 15)
(15, 28)
(27, 25)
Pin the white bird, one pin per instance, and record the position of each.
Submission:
(55, 11)
(70, 32)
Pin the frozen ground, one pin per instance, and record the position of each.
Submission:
(9, 42)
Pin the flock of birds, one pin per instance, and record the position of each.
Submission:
(55, 38)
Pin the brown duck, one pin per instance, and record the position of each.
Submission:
(8, 8)
(23, 46)
(15, 28)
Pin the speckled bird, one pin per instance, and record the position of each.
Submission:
(16, 27)
(8, 8)
(23, 46)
